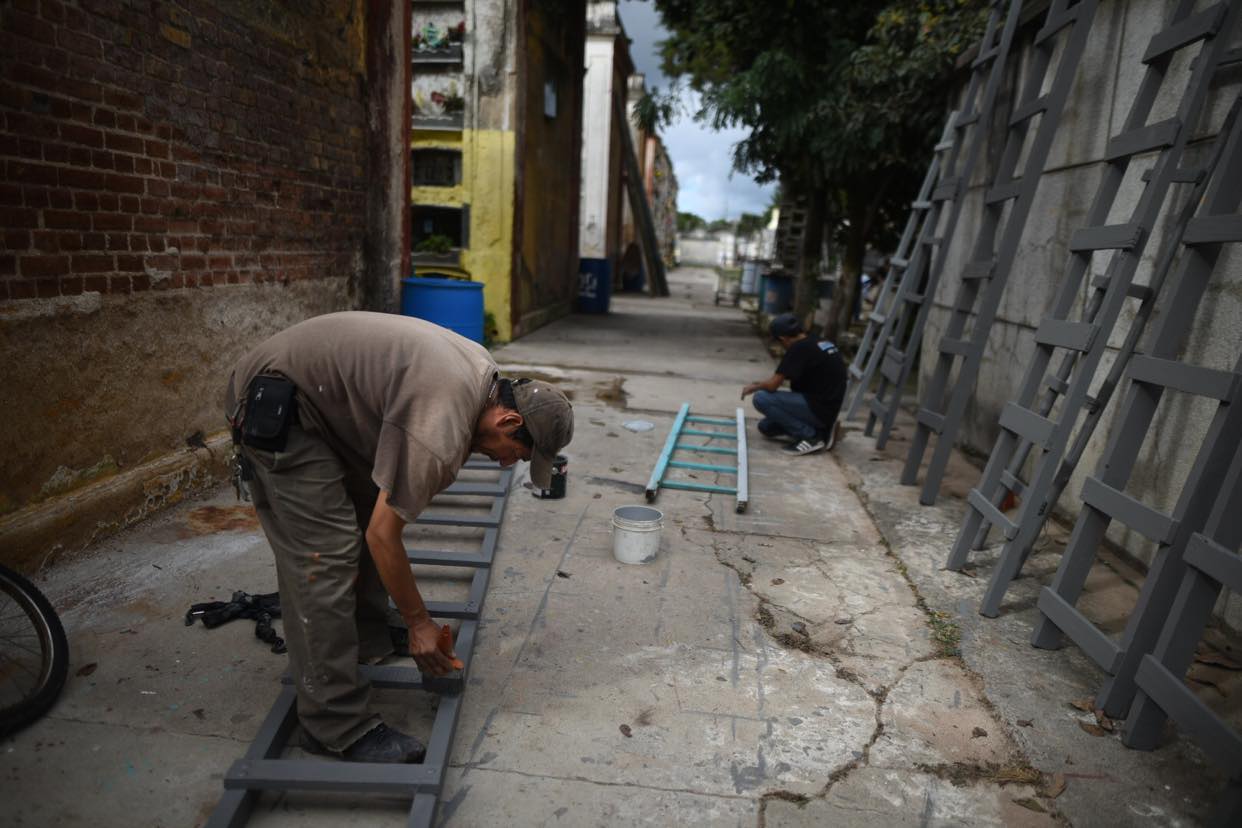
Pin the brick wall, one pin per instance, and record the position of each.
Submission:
(151, 146)
(180, 180)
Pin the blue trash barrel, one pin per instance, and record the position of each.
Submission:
(750, 275)
(450, 303)
(778, 293)
(594, 285)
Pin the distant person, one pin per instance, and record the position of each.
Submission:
(806, 416)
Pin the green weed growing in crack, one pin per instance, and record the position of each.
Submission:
(945, 632)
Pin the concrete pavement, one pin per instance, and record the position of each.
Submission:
(805, 663)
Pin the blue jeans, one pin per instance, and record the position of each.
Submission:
(788, 412)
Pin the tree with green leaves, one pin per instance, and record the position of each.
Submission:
(842, 99)
(689, 222)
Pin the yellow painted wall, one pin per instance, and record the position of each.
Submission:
(488, 187)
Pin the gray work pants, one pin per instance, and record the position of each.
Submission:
(314, 511)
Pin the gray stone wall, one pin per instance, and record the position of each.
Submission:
(1104, 88)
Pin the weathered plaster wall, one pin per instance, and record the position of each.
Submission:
(548, 162)
(180, 181)
(1099, 101)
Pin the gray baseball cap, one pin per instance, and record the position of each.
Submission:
(549, 418)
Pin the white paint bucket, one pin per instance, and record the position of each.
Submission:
(636, 534)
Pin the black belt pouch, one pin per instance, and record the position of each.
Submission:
(270, 410)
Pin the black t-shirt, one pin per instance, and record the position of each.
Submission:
(815, 369)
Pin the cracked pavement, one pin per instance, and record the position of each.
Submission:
(804, 663)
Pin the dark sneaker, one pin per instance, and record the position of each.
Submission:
(780, 437)
(381, 744)
(805, 447)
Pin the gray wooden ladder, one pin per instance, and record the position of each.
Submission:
(1104, 496)
(1027, 422)
(922, 273)
(1211, 560)
(1007, 206)
(264, 769)
(880, 320)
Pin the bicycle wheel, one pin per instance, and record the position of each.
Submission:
(34, 653)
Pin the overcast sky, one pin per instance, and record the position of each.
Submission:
(702, 158)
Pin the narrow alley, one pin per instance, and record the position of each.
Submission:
(805, 663)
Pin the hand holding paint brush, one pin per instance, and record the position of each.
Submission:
(445, 644)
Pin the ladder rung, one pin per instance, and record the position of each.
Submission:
(1213, 229)
(1170, 692)
(1153, 525)
(878, 408)
(1143, 139)
(900, 262)
(878, 318)
(943, 145)
(1028, 110)
(958, 347)
(984, 57)
(1075, 336)
(1011, 482)
(1056, 384)
(914, 298)
(1105, 237)
(682, 464)
(1182, 175)
(1086, 635)
(723, 435)
(890, 369)
(932, 242)
(1091, 404)
(1027, 424)
(945, 190)
(1189, 379)
(317, 775)
(1133, 290)
(1004, 192)
(966, 120)
(920, 204)
(930, 419)
(856, 372)
(981, 269)
(695, 418)
(707, 449)
(1215, 561)
(991, 514)
(1055, 24)
(1195, 27)
(475, 489)
(1231, 57)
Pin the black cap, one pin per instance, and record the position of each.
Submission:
(784, 325)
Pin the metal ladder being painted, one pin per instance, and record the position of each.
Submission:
(1007, 206)
(1049, 422)
(673, 444)
(1104, 496)
(262, 769)
(880, 322)
(922, 276)
(1212, 560)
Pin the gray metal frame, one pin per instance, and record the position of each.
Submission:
(1104, 496)
(1212, 561)
(985, 276)
(262, 769)
(880, 320)
(1028, 422)
(922, 276)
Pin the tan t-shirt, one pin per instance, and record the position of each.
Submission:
(397, 398)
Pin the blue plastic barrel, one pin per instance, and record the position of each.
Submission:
(450, 303)
(594, 285)
(778, 293)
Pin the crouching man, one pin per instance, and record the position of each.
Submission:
(806, 415)
(349, 424)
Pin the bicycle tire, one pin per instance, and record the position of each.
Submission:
(55, 652)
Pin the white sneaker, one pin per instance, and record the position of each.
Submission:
(805, 447)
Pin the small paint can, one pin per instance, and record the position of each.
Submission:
(556, 487)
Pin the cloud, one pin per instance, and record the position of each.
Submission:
(702, 157)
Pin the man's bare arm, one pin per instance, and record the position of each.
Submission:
(772, 383)
(387, 550)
